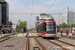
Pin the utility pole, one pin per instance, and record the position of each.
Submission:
(67, 21)
(17, 22)
(17, 25)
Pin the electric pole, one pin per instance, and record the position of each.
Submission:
(67, 21)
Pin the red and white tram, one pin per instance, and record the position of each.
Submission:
(47, 28)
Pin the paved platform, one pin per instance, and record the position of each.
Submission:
(64, 34)
(21, 34)
(1, 35)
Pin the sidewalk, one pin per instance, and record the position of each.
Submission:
(64, 34)
(21, 34)
(0, 35)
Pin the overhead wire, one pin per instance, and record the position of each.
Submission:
(32, 7)
(50, 6)
(33, 14)
(73, 9)
(36, 13)
(13, 16)
(31, 11)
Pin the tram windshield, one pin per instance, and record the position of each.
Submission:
(50, 27)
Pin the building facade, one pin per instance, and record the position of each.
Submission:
(0, 15)
(37, 21)
(14, 27)
(63, 17)
(4, 12)
(42, 17)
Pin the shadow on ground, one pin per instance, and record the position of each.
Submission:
(51, 38)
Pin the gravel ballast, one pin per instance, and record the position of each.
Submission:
(18, 42)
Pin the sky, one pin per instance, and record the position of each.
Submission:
(24, 9)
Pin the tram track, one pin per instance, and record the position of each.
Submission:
(2, 40)
(6, 38)
(56, 42)
(52, 43)
(70, 38)
(43, 48)
(65, 42)
(28, 44)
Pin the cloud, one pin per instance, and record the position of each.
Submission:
(42, 9)
(51, 2)
(15, 7)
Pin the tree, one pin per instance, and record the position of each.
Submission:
(22, 24)
(63, 24)
(31, 29)
(72, 25)
(10, 23)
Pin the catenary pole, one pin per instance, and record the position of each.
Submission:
(67, 21)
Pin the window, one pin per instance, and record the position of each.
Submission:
(50, 27)
(44, 26)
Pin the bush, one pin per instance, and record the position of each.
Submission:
(19, 31)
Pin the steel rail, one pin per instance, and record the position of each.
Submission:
(5, 39)
(66, 43)
(56, 44)
(70, 38)
(43, 48)
(27, 44)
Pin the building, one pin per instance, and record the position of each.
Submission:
(4, 13)
(27, 27)
(0, 15)
(14, 27)
(37, 21)
(63, 17)
(42, 17)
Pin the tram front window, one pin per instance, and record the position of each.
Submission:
(50, 27)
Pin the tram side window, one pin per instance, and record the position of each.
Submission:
(39, 28)
(44, 26)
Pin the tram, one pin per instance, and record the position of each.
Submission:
(47, 28)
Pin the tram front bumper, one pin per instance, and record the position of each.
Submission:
(49, 35)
